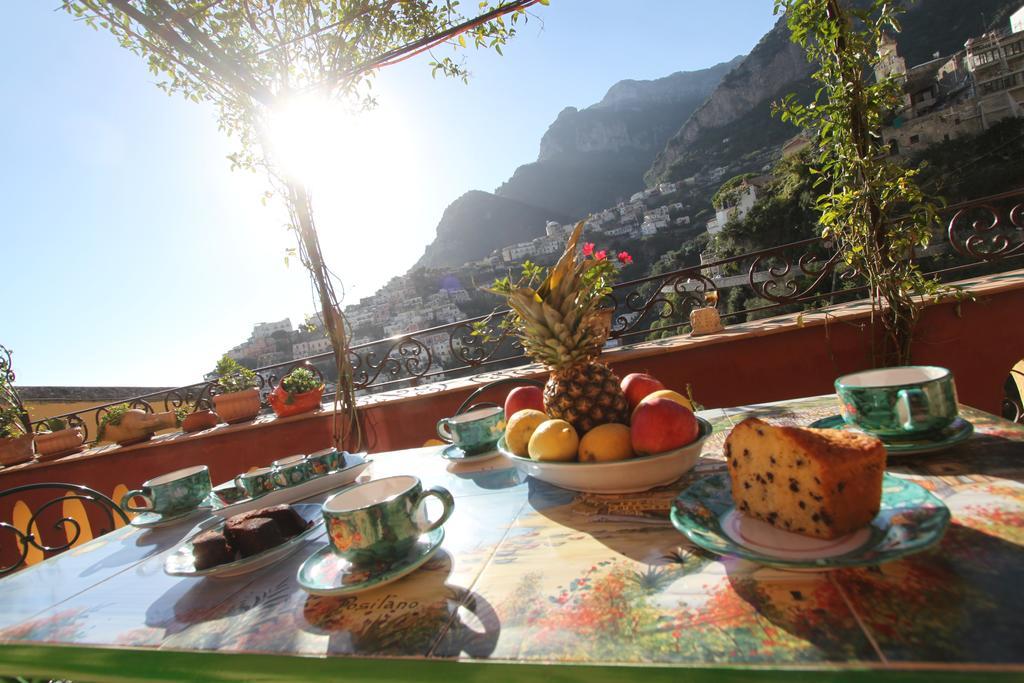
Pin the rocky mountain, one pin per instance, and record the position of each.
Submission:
(478, 222)
(589, 159)
(734, 131)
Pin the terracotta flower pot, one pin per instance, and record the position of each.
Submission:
(137, 426)
(238, 406)
(199, 420)
(285, 404)
(63, 441)
(16, 449)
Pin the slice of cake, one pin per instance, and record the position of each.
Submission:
(253, 536)
(211, 548)
(817, 482)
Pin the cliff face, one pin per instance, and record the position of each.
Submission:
(637, 116)
(589, 159)
(774, 67)
(734, 131)
(478, 222)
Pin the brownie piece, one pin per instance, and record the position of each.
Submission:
(252, 536)
(288, 520)
(211, 548)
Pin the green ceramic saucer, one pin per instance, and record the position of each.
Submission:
(153, 520)
(958, 430)
(456, 454)
(910, 520)
(327, 573)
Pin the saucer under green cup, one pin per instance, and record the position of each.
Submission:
(474, 432)
(898, 403)
(172, 493)
(380, 520)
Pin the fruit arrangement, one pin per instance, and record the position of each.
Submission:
(659, 420)
(585, 412)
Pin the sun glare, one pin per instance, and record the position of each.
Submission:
(323, 144)
(362, 170)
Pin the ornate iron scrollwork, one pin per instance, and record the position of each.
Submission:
(475, 349)
(990, 237)
(31, 537)
(781, 286)
(406, 355)
(673, 296)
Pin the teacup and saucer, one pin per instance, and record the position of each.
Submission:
(170, 497)
(473, 435)
(911, 409)
(378, 532)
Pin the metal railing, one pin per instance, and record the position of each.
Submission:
(982, 235)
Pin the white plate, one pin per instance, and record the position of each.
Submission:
(623, 476)
(153, 520)
(355, 463)
(181, 563)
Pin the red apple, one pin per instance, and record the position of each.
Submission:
(661, 424)
(638, 385)
(522, 398)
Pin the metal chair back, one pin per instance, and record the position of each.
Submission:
(468, 404)
(65, 527)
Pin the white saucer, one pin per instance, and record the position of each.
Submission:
(456, 454)
(327, 573)
(152, 520)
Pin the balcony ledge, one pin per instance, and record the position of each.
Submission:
(768, 359)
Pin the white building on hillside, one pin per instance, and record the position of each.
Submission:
(311, 347)
(267, 329)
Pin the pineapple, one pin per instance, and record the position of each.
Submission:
(561, 325)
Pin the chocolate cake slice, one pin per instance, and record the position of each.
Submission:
(211, 548)
(252, 536)
(288, 520)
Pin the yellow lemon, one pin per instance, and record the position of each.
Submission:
(670, 395)
(520, 429)
(554, 440)
(606, 443)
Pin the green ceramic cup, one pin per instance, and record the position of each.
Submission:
(292, 470)
(324, 461)
(380, 520)
(900, 402)
(172, 493)
(474, 432)
(256, 482)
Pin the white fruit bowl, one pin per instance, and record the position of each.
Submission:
(623, 476)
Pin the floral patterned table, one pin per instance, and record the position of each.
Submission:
(538, 576)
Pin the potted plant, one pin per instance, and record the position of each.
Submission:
(15, 440)
(239, 399)
(124, 425)
(196, 416)
(58, 438)
(16, 443)
(299, 392)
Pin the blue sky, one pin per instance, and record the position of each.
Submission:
(133, 255)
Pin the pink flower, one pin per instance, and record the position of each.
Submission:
(588, 248)
(624, 257)
(601, 255)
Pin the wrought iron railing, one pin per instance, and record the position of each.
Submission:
(981, 235)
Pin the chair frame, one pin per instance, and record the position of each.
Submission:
(28, 539)
(468, 404)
